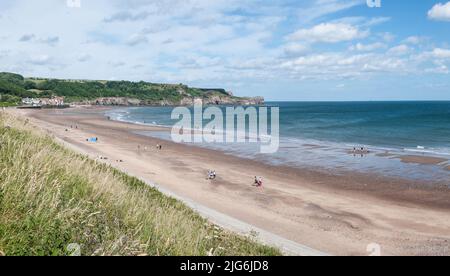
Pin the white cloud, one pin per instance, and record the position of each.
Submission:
(117, 63)
(336, 65)
(51, 40)
(27, 37)
(438, 69)
(127, 16)
(84, 57)
(440, 12)
(204, 43)
(295, 49)
(414, 40)
(321, 8)
(441, 53)
(368, 47)
(40, 59)
(328, 32)
(136, 39)
(361, 21)
(400, 50)
(387, 37)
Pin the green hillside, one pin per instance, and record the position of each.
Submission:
(13, 87)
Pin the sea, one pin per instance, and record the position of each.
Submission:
(322, 136)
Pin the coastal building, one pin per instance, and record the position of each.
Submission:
(31, 102)
(54, 101)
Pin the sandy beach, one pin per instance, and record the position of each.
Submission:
(339, 214)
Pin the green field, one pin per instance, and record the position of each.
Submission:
(51, 197)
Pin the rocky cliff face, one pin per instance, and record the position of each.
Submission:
(185, 101)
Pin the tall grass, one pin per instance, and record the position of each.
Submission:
(51, 197)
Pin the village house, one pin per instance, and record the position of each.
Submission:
(31, 102)
(54, 101)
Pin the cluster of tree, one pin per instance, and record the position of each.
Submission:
(13, 87)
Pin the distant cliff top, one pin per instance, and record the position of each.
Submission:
(14, 87)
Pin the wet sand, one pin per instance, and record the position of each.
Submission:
(424, 160)
(340, 214)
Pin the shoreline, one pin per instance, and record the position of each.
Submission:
(339, 214)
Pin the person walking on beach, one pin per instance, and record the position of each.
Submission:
(258, 181)
(212, 175)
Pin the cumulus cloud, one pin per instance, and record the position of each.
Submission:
(295, 49)
(336, 65)
(136, 39)
(414, 40)
(328, 32)
(400, 50)
(40, 59)
(83, 57)
(215, 43)
(368, 47)
(117, 63)
(441, 53)
(51, 40)
(387, 37)
(439, 69)
(440, 12)
(27, 37)
(127, 16)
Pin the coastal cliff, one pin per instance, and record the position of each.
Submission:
(186, 101)
(14, 87)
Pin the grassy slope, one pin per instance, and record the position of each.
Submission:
(51, 197)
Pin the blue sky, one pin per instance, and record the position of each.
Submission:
(282, 50)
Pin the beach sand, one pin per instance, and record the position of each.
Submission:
(340, 214)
